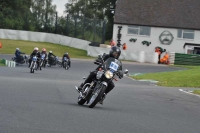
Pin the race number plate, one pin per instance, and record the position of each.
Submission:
(114, 66)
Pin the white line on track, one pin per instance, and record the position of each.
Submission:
(188, 92)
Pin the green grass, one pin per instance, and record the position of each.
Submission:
(182, 78)
(27, 47)
(196, 92)
(1, 63)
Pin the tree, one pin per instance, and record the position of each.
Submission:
(44, 14)
(13, 14)
(98, 9)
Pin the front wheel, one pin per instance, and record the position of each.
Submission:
(65, 65)
(97, 95)
(81, 101)
(59, 63)
(41, 64)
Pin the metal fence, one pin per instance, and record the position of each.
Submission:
(84, 28)
(74, 26)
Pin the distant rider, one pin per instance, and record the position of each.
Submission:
(67, 56)
(45, 53)
(18, 55)
(51, 57)
(37, 54)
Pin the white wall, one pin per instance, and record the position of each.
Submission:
(176, 45)
(140, 56)
(43, 37)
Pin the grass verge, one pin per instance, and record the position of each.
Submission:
(27, 47)
(1, 63)
(196, 92)
(182, 78)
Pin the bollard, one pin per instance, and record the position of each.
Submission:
(9, 63)
(14, 63)
(6, 62)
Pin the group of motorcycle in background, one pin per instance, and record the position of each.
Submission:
(36, 63)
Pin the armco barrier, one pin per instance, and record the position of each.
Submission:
(187, 59)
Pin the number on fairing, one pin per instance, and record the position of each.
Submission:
(43, 55)
(34, 58)
(65, 58)
(114, 66)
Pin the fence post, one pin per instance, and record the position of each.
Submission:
(67, 23)
(83, 27)
(75, 26)
(56, 22)
(94, 29)
(103, 32)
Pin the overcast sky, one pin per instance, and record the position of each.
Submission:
(60, 6)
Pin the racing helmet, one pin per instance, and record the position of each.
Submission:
(50, 52)
(115, 52)
(44, 50)
(36, 49)
(17, 49)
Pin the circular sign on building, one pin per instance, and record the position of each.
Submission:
(166, 37)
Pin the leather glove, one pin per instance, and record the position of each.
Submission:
(97, 61)
(121, 74)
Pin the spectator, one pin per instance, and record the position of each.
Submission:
(124, 46)
(164, 60)
(0, 44)
(112, 43)
(159, 53)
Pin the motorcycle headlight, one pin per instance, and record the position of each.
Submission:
(108, 74)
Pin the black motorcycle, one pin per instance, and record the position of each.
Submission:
(54, 61)
(65, 63)
(93, 92)
(23, 59)
(33, 65)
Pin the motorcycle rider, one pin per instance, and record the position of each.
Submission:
(67, 56)
(35, 53)
(45, 53)
(115, 53)
(18, 55)
(51, 57)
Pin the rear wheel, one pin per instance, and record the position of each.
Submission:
(97, 95)
(59, 63)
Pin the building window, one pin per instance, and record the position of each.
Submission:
(139, 30)
(186, 34)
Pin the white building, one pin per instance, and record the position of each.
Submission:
(173, 25)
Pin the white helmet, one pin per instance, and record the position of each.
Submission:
(17, 49)
(50, 52)
(36, 48)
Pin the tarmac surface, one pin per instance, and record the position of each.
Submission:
(46, 102)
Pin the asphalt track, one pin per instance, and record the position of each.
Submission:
(46, 102)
